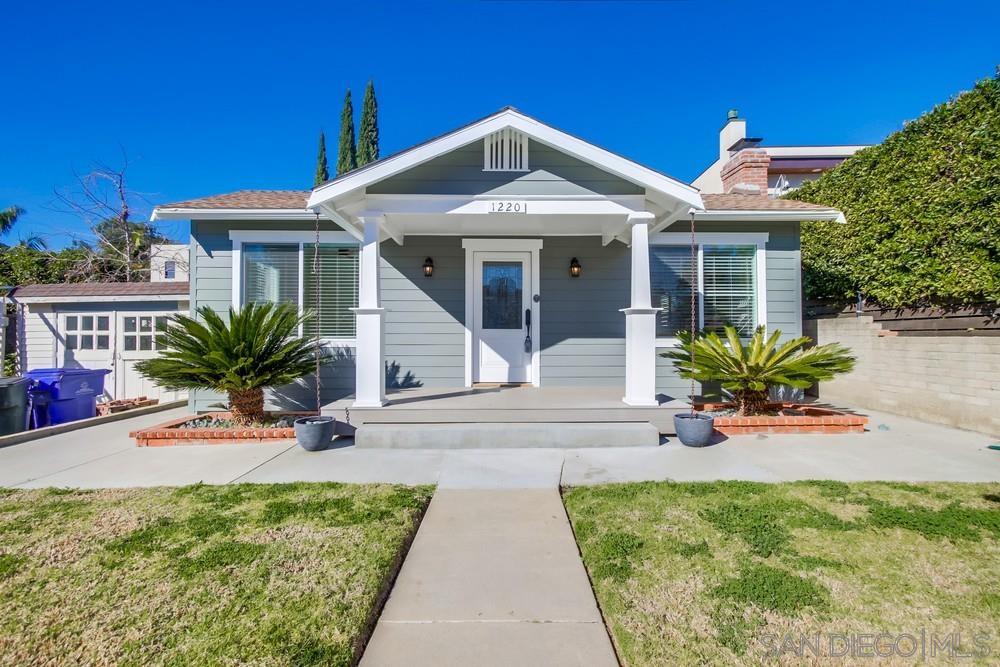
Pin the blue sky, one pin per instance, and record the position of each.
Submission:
(211, 97)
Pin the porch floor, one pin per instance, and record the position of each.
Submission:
(508, 404)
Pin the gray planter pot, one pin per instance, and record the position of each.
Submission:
(694, 430)
(315, 433)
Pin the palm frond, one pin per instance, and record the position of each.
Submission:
(759, 364)
(254, 347)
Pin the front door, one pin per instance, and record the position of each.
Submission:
(502, 332)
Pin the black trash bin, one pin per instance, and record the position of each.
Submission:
(13, 404)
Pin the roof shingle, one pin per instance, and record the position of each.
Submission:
(276, 199)
(296, 199)
(103, 289)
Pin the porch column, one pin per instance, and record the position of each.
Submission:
(640, 320)
(370, 337)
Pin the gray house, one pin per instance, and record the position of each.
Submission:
(504, 272)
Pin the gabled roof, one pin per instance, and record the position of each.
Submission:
(613, 163)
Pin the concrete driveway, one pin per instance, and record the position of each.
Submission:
(897, 448)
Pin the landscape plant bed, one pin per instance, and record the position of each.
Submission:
(746, 573)
(247, 574)
(784, 418)
(217, 428)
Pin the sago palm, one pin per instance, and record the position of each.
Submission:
(749, 371)
(257, 348)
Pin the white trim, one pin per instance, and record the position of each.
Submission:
(509, 245)
(233, 214)
(792, 215)
(287, 237)
(131, 298)
(702, 239)
(534, 246)
(508, 118)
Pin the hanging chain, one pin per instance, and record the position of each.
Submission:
(316, 303)
(694, 297)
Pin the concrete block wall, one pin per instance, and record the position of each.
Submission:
(953, 380)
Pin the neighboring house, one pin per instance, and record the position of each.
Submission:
(97, 325)
(505, 251)
(168, 262)
(744, 165)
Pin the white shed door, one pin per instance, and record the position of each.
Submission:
(85, 341)
(136, 341)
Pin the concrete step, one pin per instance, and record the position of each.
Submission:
(506, 435)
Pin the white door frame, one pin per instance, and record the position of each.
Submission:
(533, 246)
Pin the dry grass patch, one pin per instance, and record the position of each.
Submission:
(286, 574)
(721, 572)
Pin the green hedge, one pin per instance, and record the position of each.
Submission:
(923, 212)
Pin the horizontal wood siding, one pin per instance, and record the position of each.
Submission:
(460, 172)
(424, 330)
(211, 285)
(784, 285)
(37, 337)
(582, 328)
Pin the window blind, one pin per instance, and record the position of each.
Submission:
(730, 289)
(270, 273)
(338, 282)
(670, 279)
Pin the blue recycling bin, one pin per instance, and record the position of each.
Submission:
(72, 392)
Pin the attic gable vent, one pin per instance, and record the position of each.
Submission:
(505, 150)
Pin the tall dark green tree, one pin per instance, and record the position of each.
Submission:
(368, 138)
(347, 155)
(322, 171)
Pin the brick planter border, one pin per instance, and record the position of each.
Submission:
(815, 420)
(168, 434)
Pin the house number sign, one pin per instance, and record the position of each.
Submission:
(508, 206)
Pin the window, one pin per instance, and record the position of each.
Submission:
(726, 278)
(271, 274)
(169, 269)
(87, 332)
(670, 279)
(505, 150)
(729, 292)
(140, 333)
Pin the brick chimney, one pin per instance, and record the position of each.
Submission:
(746, 172)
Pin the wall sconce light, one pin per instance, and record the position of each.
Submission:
(574, 267)
(428, 267)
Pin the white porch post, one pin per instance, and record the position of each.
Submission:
(640, 320)
(370, 338)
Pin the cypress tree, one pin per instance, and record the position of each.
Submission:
(347, 156)
(322, 171)
(368, 138)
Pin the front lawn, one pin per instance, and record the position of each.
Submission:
(737, 572)
(265, 574)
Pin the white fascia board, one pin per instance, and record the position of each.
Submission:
(479, 205)
(813, 151)
(812, 215)
(582, 150)
(138, 298)
(234, 214)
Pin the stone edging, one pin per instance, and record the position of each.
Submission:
(167, 434)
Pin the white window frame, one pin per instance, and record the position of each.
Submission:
(169, 269)
(702, 239)
(300, 238)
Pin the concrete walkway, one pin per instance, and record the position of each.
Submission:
(897, 448)
(492, 578)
